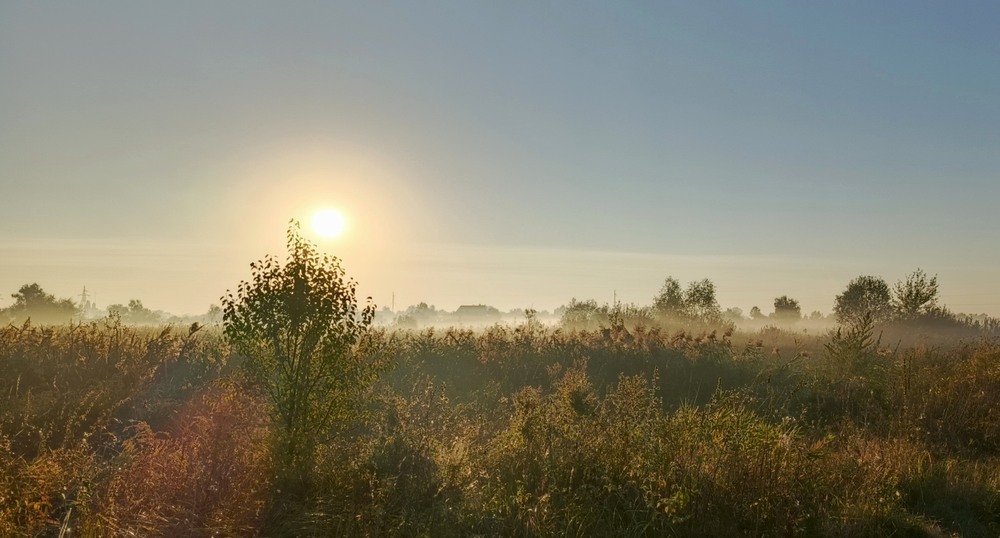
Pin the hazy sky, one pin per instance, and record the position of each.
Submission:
(513, 153)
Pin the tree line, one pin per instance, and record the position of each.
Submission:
(31, 302)
(913, 298)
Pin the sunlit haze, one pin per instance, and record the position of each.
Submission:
(515, 154)
(329, 223)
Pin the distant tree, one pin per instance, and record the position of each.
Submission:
(405, 321)
(733, 314)
(864, 294)
(298, 325)
(583, 314)
(916, 296)
(627, 315)
(31, 301)
(134, 312)
(755, 313)
(214, 314)
(696, 303)
(423, 313)
(384, 316)
(140, 314)
(700, 303)
(670, 302)
(816, 315)
(787, 309)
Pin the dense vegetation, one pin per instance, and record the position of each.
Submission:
(111, 430)
(297, 417)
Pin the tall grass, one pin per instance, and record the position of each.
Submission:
(107, 430)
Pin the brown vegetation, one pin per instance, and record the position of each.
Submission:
(107, 431)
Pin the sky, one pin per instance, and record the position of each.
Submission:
(508, 153)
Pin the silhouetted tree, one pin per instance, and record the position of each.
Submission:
(786, 309)
(700, 303)
(916, 296)
(31, 301)
(696, 303)
(298, 326)
(669, 303)
(864, 294)
(755, 313)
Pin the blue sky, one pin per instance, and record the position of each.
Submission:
(513, 153)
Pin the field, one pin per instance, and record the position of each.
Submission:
(511, 430)
(499, 269)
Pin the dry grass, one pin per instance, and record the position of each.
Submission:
(527, 431)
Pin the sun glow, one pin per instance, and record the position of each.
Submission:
(329, 223)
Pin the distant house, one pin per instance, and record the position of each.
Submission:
(476, 314)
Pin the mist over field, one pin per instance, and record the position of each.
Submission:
(496, 269)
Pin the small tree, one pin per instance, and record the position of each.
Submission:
(854, 351)
(854, 345)
(915, 296)
(864, 294)
(786, 308)
(298, 325)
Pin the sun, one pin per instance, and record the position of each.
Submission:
(329, 223)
